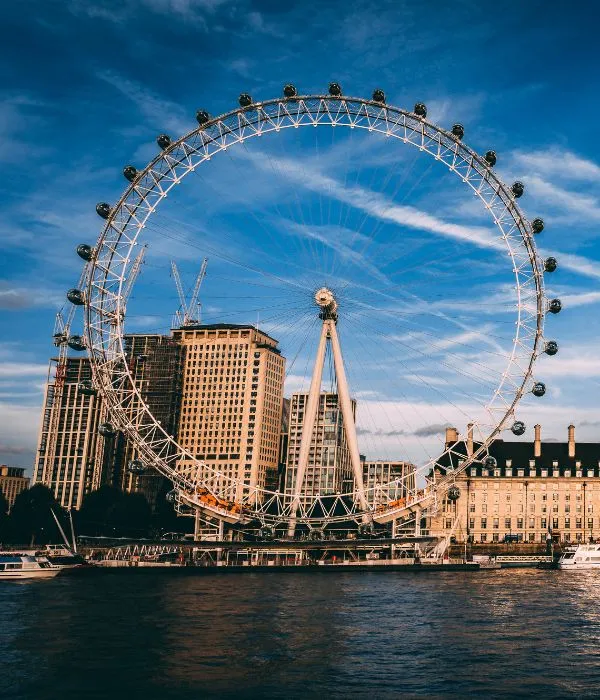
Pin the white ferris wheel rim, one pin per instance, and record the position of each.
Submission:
(107, 273)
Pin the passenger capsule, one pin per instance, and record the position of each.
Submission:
(86, 388)
(76, 342)
(106, 430)
(163, 141)
(245, 100)
(550, 264)
(136, 467)
(379, 96)
(420, 110)
(103, 210)
(58, 339)
(555, 306)
(551, 347)
(517, 189)
(85, 251)
(130, 172)
(458, 130)
(490, 158)
(539, 389)
(453, 493)
(518, 427)
(202, 117)
(170, 496)
(537, 225)
(289, 90)
(335, 89)
(490, 462)
(267, 533)
(76, 296)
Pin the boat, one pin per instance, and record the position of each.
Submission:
(17, 566)
(64, 557)
(580, 557)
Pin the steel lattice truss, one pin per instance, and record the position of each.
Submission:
(200, 485)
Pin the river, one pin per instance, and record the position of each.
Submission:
(147, 634)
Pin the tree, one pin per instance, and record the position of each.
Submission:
(4, 521)
(109, 512)
(165, 518)
(31, 520)
(96, 513)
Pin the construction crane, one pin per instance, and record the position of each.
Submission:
(188, 313)
(133, 274)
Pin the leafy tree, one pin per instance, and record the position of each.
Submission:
(4, 521)
(96, 512)
(165, 518)
(109, 512)
(31, 520)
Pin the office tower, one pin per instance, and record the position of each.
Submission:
(387, 481)
(71, 456)
(155, 365)
(232, 395)
(12, 482)
(329, 468)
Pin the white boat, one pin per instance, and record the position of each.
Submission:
(583, 556)
(16, 566)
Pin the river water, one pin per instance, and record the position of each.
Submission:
(146, 634)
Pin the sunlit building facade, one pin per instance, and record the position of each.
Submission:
(329, 468)
(231, 405)
(12, 482)
(537, 490)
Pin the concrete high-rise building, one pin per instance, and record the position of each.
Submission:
(329, 468)
(232, 395)
(387, 481)
(12, 482)
(155, 365)
(71, 456)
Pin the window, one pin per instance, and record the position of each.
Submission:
(507, 523)
(484, 523)
(519, 523)
(496, 523)
(544, 523)
(495, 537)
(554, 522)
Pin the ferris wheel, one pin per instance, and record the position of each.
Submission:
(387, 313)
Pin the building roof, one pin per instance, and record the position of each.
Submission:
(522, 455)
(223, 327)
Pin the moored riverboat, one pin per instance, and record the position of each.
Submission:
(16, 566)
(580, 557)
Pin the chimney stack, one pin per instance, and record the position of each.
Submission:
(469, 439)
(571, 440)
(451, 436)
(537, 444)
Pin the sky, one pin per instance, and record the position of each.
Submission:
(426, 308)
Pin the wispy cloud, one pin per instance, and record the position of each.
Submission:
(156, 110)
(558, 163)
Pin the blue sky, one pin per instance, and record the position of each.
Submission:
(87, 86)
